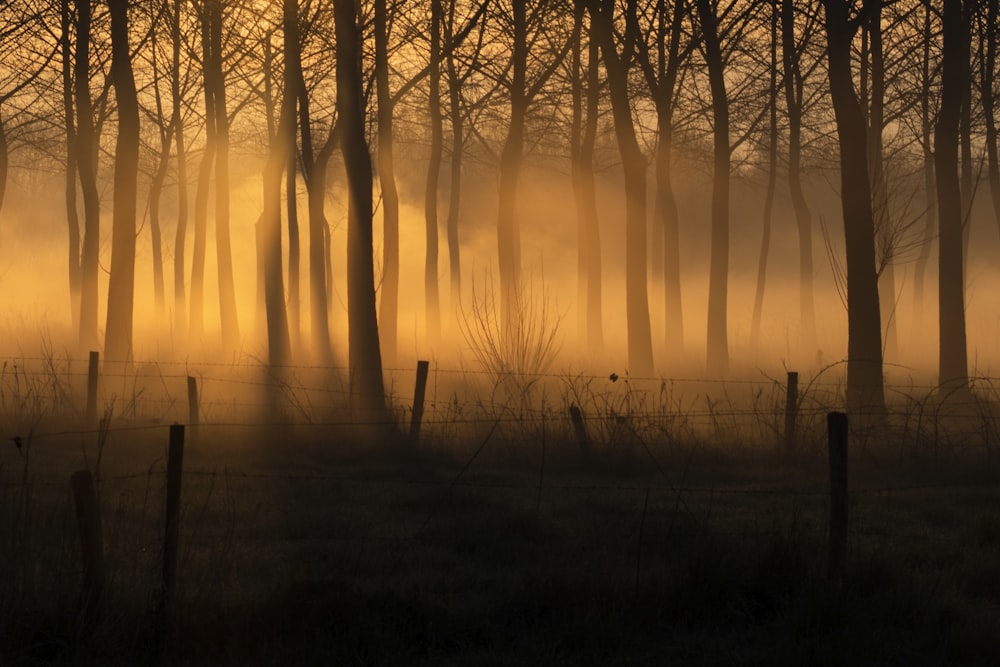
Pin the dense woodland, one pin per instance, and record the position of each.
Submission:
(178, 136)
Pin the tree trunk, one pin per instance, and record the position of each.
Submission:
(72, 217)
(432, 300)
(718, 277)
(196, 322)
(365, 359)
(389, 306)
(87, 164)
(989, 106)
(772, 169)
(926, 130)
(223, 241)
(582, 142)
(885, 231)
(952, 360)
(457, 151)
(294, 250)
(640, 345)
(864, 351)
(794, 83)
(180, 302)
(118, 341)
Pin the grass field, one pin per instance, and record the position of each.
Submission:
(680, 537)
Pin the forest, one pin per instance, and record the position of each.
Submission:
(499, 332)
(658, 187)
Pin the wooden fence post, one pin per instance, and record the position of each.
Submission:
(837, 428)
(175, 465)
(419, 391)
(791, 411)
(576, 415)
(192, 401)
(88, 518)
(92, 370)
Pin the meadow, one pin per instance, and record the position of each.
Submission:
(685, 529)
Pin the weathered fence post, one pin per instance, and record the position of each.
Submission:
(837, 428)
(576, 416)
(791, 411)
(88, 518)
(192, 401)
(92, 370)
(175, 465)
(419, 391)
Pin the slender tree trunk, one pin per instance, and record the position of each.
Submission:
(314, 168)
(294, 248)
(772, 169)
(198, 252)
(582, 142)
(794, 84)
(663, 82)
(508, 227)
(640, 345)
(989, 105)
(365, 359)
(864, 332)
(431, 296)
(930, 213)
(967, 187)
(457, 152)
(156, 186)
(269, 226)
(72, 216)
(389, 306)
(177, 121)
(718, 277)
(121, 288)
(87, 164)
(884, 224)
(223, 241)
(953, 357)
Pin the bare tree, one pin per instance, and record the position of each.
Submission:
(953, 355)
(617, 65)
(865, 390)
(121, 288)
(365, 359)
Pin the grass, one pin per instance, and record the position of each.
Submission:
(681, 539)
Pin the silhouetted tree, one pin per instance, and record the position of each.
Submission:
(988, 71)
(432, 304)
(953, 359)
(864, 332)
(86, 162)
(617, 65)
(585, 88)
(121, 286)
(718, 276)
(792, 49)
(364, 356)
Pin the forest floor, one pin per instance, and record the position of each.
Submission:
(298, 549)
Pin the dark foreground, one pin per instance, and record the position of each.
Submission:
(295, 551)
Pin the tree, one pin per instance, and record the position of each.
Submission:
(617, 65)
(988, 71)
(86, 163)
(583, 137)
(953, 356)
(772, 173)
(389, 307)
(718, 340)
(792, 50)
(864, 333)
(431, 297)
(364, 356)
(121, 288)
